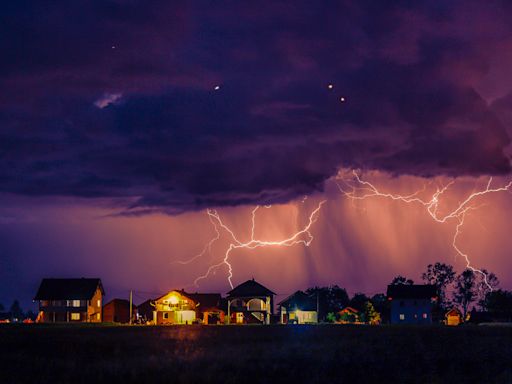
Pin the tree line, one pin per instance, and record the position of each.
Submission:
(466, 290)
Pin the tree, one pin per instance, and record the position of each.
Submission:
(382, 305)
(358, 302)
(401, 280)
(440, 275)
(465, 290)
(498, 302)
(16, 311)
(370, 315)
(330, 299)
(484, 280)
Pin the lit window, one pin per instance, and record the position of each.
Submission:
(76, 303)
(402, 316)
(98, 303)
(98, 315)
(75, 316)
(239, 317)
(425, 316)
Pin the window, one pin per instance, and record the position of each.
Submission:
(425, 316)
(239, 317)
(98, 303)
(402, 316)
(166, 315)
(76, 303)
(98, 315)
(75, 316)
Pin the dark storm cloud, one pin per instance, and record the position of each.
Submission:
(117, 99)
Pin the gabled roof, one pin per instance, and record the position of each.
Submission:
(403, 291)
(349, 310)
(120, 302)
(299, 300)
(68, 289)
(453, 312)
(205, 300)
(250, 288)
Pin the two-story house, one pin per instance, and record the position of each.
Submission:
(70, 300)
(411, 304)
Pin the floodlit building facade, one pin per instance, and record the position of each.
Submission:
(174, 308)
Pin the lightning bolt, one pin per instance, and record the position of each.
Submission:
(303, 236)
(360, 189)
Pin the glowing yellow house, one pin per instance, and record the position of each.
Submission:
(174, 308)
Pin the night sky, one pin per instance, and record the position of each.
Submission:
(121, 122)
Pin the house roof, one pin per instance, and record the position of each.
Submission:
(205, 300)
(299, 300)
(453, 312)
(250, 288)
(416, 291)
(68, 289)
(120, 302)
(349, 309)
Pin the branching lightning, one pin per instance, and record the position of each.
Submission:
(302, 236)
(359, 189)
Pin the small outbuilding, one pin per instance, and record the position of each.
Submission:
(118, 311)
(453, 317)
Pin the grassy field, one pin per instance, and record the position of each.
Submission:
(247, 354)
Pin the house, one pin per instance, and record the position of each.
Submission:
(175, 307)
(250, 303)
(298, 308)
(209, 307)
(118, 311)
(70, 300)
(453, 317)
(411, 304)
(349, 315)
(180, 307)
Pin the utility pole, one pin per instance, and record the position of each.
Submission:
(131, 304)
(317, 306)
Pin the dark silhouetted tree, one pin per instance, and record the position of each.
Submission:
(382, 305)
(358, 302)
(465, 290)
(499, 302)
(401, 280)
(330, 299)
(440, 275)
(482, 286)
(16, 311)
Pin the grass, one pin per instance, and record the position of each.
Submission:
(246, 354)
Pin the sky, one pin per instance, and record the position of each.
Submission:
(123, 122)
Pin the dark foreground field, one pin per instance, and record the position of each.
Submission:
(233, 354)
